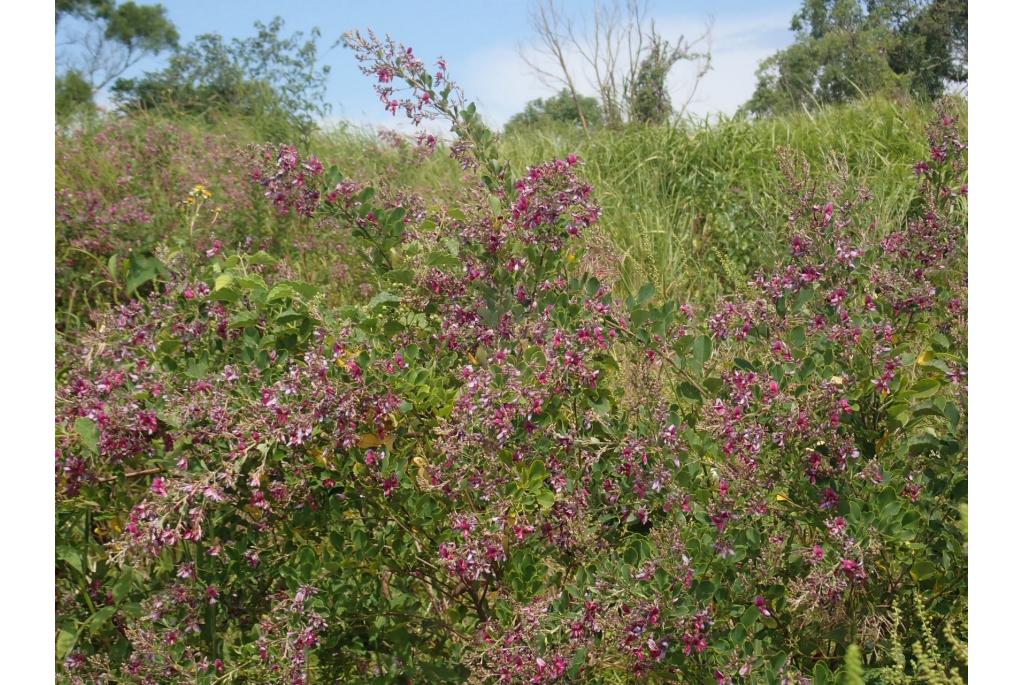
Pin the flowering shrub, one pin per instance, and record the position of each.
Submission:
(492, 469)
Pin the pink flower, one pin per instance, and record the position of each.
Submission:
(854, 570)
(829, 499)
(762, 606)
(837, 526)
(159, 487)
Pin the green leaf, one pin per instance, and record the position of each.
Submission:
(71, 556)
(495, 205)
(66, 640)
(197, 368)
(443, 260)
(802, 298)
(822, 675)
(403, 276)
(223, 281)
(141, 269)
(925, 387)
(749, 617)
(123, 585)
(280, 291)
(243, 320)
(98, 620)
(689, 391)
(382, 298)
(226, 293)
(797, 336)
(546, 499)
(713, 384)
(702, 348)
(953, 414)
(645, 294)
(288, 315)
(307, 290)
(922, 570)
(743, 364)
(251, 283)
(601, 405)
(263, 259)
(88, 433)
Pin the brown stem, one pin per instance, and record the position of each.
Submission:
(133, 474)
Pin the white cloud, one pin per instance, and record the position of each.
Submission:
(738, 44)
(371, 124)
(501, 83)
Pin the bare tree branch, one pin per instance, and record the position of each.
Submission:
(619, 57)
(549, 22)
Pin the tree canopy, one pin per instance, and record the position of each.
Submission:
(264, 75)
(558, 108)
(848, 48)
(115, 37)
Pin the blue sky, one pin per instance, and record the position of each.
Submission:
(482, 40)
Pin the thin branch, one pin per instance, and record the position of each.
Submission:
(132, 474)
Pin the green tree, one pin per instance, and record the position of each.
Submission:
(84, 9)
(116, 37)
(73, 93)
(560, 108)
(932, 47)
(647, 92)
(848, 48)
(267, 76)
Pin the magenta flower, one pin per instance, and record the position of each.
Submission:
(829, 499)
(854, 570)
(159, 487)
(390, 485)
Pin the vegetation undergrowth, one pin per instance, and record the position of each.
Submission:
(667, 406)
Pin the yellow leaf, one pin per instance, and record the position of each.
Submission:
(320, 456)
(422, 476)
(369, 440)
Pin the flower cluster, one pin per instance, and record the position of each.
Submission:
(457, 476)
(289, 182)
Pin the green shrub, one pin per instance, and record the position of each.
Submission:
(482, 464)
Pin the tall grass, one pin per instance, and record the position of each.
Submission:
(693, 209)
